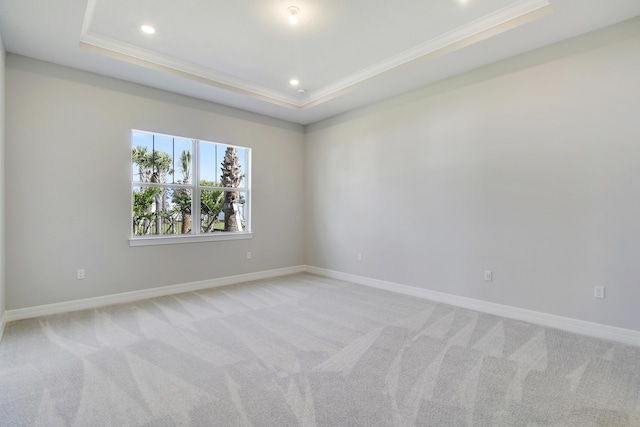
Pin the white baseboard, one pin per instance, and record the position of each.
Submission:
(613, 333)
(88, 303)
(3, 322)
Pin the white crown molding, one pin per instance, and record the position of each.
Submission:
(487, 26)
(136, 55)
(88, 17)
(90, 303)
(597, 330)
(153, 60)
(492, 24)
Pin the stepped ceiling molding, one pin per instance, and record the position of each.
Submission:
(243, 53)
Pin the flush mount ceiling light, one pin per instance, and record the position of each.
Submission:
(147, 29)
(293, 15)
(294, 82)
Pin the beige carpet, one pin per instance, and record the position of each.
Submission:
(304, 351)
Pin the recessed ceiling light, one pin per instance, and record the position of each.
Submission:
(148, 29)
(293, 15)
(294, 82)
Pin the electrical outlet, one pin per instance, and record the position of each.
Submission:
(248, 255)
(80, 274)
(488, 275)
(359, 257)
(598, 292)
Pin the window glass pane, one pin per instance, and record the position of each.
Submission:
(141, 148)
(211, 217)
(242, 157)
(162, 159)
(144, 210)
(183, 164)
(215, 159)
(153, 157)
(161, 211)
(209, 164)
(223, 211)
(181, 208)
(231, 167)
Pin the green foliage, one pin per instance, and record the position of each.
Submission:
(168, 211)
(142, 215)
(182, 201)
(152, 166)
(211, 202)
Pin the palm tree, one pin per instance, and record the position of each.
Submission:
(185, 163)
(231, 177)
(154, 167)
(161, 168)
(142, 158)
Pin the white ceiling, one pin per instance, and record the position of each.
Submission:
(242, 53)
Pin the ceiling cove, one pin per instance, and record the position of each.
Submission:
(494, 23)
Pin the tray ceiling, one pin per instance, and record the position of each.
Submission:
(243, 53)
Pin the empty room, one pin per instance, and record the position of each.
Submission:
(320, 213)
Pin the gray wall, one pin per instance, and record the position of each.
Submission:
(68, 186)
(529, 167)
(2, 173)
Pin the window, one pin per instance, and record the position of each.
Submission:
(186, 190)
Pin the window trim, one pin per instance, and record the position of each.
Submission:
(170, 239)
(196, 236)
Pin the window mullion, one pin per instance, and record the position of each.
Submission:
(195, 198)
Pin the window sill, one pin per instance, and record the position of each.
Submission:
(172, 240)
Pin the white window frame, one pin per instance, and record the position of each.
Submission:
(196, 234)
